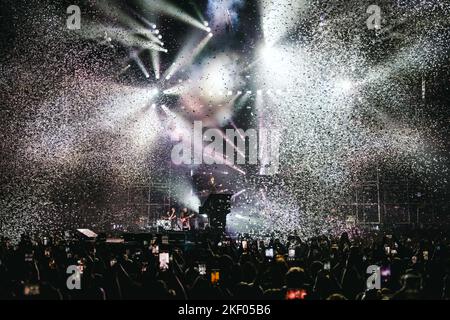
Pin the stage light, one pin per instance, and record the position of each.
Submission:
(160, 37)
(259, 92)
(249, 92)
(229, 93)
(169, 9)
(153, 106)
(205, 23)
(208, 29)
(156, 31)
(239, 92)
(154, 26)
(210, 34)
(344, 85)
(186, 56)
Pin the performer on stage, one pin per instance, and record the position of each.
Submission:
(171, 216)
(185, 219)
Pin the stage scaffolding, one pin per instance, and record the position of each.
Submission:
(384, 200)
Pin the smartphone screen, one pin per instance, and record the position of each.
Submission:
(291, 253)
(31, 290)
(164, 260)
(155, 249)
(244, 244)
(80, 266)
(202, 269)
(269, 253)
(327, 266)
(296, 294)
(215, 276)
(385, 273)
(29, 257)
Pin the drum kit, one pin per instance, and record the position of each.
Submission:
(164, 224)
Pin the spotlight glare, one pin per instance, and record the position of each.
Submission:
(205, 23)
(344, 85)
(210, 34)
(208, 29)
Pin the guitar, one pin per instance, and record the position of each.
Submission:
(186, 219)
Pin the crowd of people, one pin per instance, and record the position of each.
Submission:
(411, 264)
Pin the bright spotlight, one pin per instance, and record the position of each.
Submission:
(156, 31)
(259, 92)
(344, 85)
(154, 26)
(160, 37)
(208, 29)
(205, 23)
(239, 92)
(153, 106)
(269, 53)
(210, 34)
